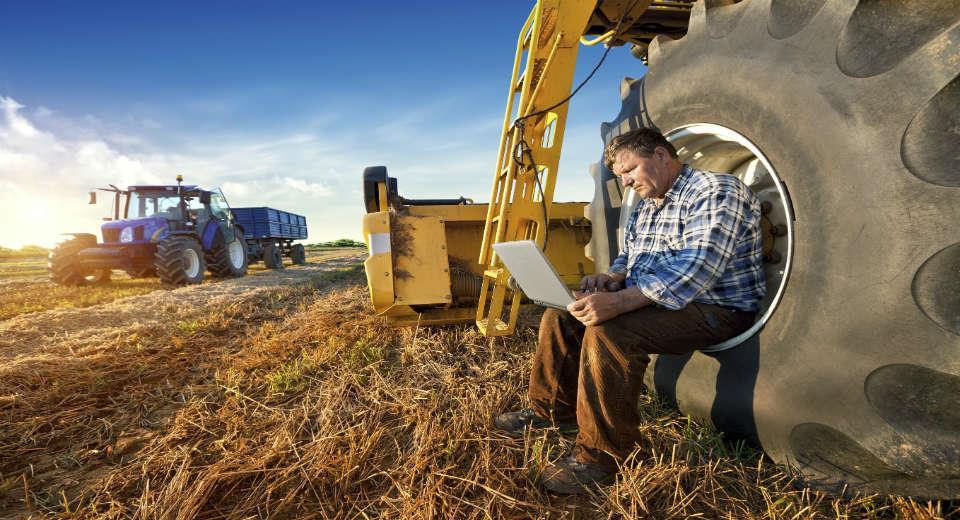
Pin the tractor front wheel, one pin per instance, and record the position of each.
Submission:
(179, 261)
(229, 260)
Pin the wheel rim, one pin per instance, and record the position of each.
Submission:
(235, 249)
(191, 263)
(717, 148)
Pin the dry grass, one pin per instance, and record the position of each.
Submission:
(299, 404)
(41, 295)
(21, 267)
(25, 288)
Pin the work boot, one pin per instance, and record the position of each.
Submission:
(513, 423)
(570, 476)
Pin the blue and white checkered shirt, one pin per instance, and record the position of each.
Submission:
(702, 245)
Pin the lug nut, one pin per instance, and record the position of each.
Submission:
(773, 257)
(779, 230)
(766, 207)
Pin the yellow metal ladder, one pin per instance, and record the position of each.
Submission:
(529, 151)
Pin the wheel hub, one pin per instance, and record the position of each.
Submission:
(191, 263)
(235, 249)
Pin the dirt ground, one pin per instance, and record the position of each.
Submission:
(81, 385)
(281, 395)
(32, 333)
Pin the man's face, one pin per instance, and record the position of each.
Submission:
(649, 177)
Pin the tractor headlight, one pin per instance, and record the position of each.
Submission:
(126, 235)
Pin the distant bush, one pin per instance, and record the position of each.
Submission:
(342, 242)
(25, 251)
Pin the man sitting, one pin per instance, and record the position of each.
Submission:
(690, 276)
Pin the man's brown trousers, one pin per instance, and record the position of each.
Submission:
(594, 374)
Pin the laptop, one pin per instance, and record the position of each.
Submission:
(534, 274)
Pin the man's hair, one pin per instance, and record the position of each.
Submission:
(642, 141)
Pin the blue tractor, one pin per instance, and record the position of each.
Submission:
(173, 232)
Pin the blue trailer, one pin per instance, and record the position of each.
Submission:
(270, 233)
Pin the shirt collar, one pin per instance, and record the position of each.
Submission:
(682, 179)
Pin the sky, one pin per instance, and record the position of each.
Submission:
(280, 104)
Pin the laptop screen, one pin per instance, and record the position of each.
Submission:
(534, 273)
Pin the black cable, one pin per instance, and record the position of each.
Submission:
(524, 147)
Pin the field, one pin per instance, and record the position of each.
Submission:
(280, 395)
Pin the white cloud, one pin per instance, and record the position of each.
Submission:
(313, 188)
(17, 124)
(53, 160)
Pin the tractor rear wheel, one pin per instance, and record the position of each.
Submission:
(179, 260)
(298, 254)
(273, 256)
(851, 106)
(229, 260)
(64, 265)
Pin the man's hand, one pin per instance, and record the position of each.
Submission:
(596, 308)
(601, 282)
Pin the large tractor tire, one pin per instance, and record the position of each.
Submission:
(273, 256)
(844, 118)
(179, 261)
(228, 260)
(64, 265)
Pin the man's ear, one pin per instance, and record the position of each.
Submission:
(661, 153)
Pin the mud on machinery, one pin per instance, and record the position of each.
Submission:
(841, 115)
(176, 233)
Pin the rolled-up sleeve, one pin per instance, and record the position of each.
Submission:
(619, 265)
(708, 243)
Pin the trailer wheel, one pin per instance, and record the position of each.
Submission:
(64, 265)
(272, 256)
(853, 107)
(179, 261)
(298, 254)
(229, 260)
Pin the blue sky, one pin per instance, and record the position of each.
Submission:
(281, 103)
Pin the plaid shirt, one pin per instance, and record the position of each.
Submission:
(702, 245)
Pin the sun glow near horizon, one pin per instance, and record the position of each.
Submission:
(35, 219)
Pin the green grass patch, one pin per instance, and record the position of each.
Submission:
(354, 273)
(189, 326)
(341, 242)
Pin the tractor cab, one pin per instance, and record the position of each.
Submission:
(142, 214)
(164, 202)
